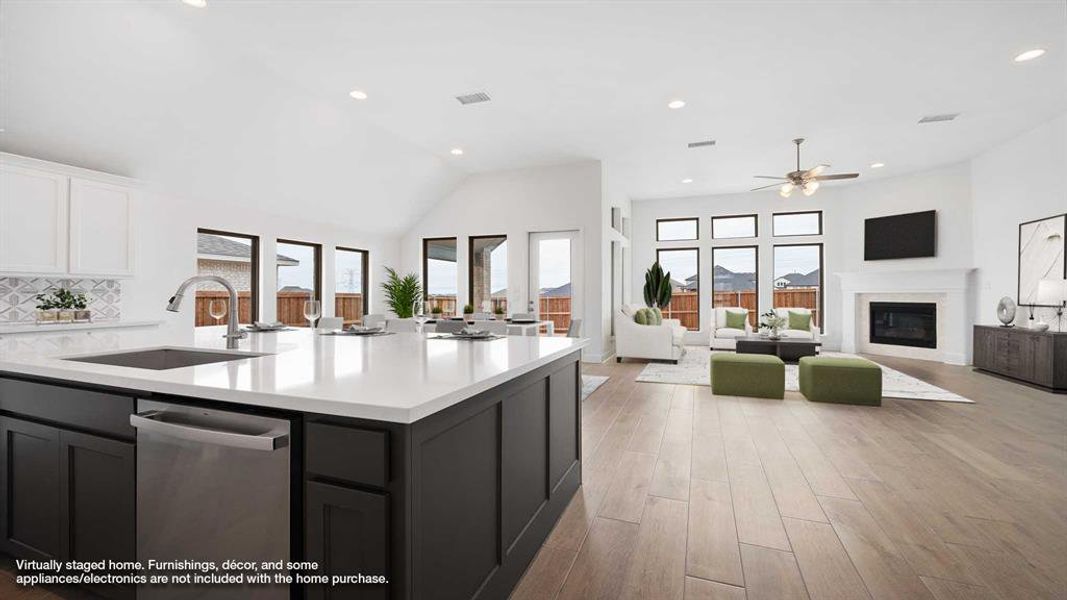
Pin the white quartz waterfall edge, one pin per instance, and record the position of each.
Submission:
(590, 383)
(693, 369)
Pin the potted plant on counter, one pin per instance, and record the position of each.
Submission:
(499, 312)
(468, 311)
(62, 306)
(437, 311)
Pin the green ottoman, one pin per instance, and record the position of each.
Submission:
(841, 380)
(759, 375)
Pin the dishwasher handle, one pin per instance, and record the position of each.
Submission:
(152, 421)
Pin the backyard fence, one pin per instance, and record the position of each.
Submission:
(203, 302)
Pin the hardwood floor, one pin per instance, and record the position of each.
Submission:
(689, 495)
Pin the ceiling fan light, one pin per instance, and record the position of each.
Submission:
(810, 187)
(786, 189)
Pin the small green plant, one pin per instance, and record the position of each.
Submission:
(437, 310)
(772, 321)
(62, 299)
(468, 309)
(499, 310)
(402, 294)
(657, 286)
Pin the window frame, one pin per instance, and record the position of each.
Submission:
(754, 247)
(755, 220)
(470, 265)
(318, 262)
(253, 275)
(822, 278)
(797, 212)
(426, 265)
(696, 220)
(365, 279)
(694, 249)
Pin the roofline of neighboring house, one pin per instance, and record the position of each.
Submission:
(282, 260)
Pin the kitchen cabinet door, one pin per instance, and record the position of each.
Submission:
(101, 229)
(29, 490)
(33, 221)
(347, 534)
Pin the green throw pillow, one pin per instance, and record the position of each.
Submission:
(735, 319)
(800, 321)
(658, 314)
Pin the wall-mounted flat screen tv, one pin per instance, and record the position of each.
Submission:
(911, 235)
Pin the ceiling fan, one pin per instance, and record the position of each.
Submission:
(807, 181)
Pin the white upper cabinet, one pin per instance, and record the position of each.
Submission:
(101, 229)
(61, 220)
(33, 221)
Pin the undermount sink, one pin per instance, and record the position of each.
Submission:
(160, 359)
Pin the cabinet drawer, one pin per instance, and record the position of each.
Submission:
(82, 409)
(347, 453)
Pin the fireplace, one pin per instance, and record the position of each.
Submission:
(904, 324)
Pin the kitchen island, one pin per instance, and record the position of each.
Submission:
(441, 465)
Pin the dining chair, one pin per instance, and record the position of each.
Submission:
(331, 323)
(494, 327)
(401, 325)
(481, 316)
(523, 317)
(450, 326)
(575, 329)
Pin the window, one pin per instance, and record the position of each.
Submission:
(488, 275)
(740, 226)
(299, 279)
(669, 230)
(797, 223)
(235, 258)
(683, 264)
(798, 278)
(440, 274)
(350, 300)
(734, 279)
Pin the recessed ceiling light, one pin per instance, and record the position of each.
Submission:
(358, 94)
(1030, 55)
(676, 104)
(456, 151)
(877, 165)
(687, 180)
(196, 3)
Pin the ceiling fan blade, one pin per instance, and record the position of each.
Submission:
(837, 176)
(765, 187)
(770, 177)
(814, 171)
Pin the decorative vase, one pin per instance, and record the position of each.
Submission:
(83, 315)
(66, 315)
(47, 315)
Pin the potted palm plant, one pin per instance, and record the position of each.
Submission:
(468, 311)
(402, 294)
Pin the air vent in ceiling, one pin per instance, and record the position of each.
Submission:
(473, 98)
(701, 143)
(938, 118)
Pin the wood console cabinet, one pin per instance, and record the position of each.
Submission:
(1037, 357)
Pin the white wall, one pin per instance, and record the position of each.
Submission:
(844, 209)
(1020, 180)
(516, 203)
(166, 253)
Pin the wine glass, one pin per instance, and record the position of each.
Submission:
(312, 311)
(217, 309)
(419, 315)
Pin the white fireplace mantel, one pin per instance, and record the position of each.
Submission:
(954, 287)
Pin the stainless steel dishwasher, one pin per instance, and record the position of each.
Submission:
(212, 485)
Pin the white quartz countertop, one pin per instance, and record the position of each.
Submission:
(26, 328)
(399, 378)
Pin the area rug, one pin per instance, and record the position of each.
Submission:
(693, 369)
(590, 383)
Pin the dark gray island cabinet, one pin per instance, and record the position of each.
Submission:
(453, 505)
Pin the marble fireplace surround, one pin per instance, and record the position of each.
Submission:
(951, 289)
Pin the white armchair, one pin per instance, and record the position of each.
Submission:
(655, 342)
(723, 337)
(812, 333)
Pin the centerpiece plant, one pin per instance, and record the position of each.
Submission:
(402, 293)
(773, 323)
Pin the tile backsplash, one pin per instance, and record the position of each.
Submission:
(18, 297)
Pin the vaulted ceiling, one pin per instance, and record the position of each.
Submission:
(250, 99)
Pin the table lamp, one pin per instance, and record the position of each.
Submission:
(1053, 292)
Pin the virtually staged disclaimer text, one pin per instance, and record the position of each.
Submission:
(181, 572)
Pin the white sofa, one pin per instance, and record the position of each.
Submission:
(654, 342)
(723, 337)
(809, 334)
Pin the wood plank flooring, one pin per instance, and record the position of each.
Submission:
(688, 495)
